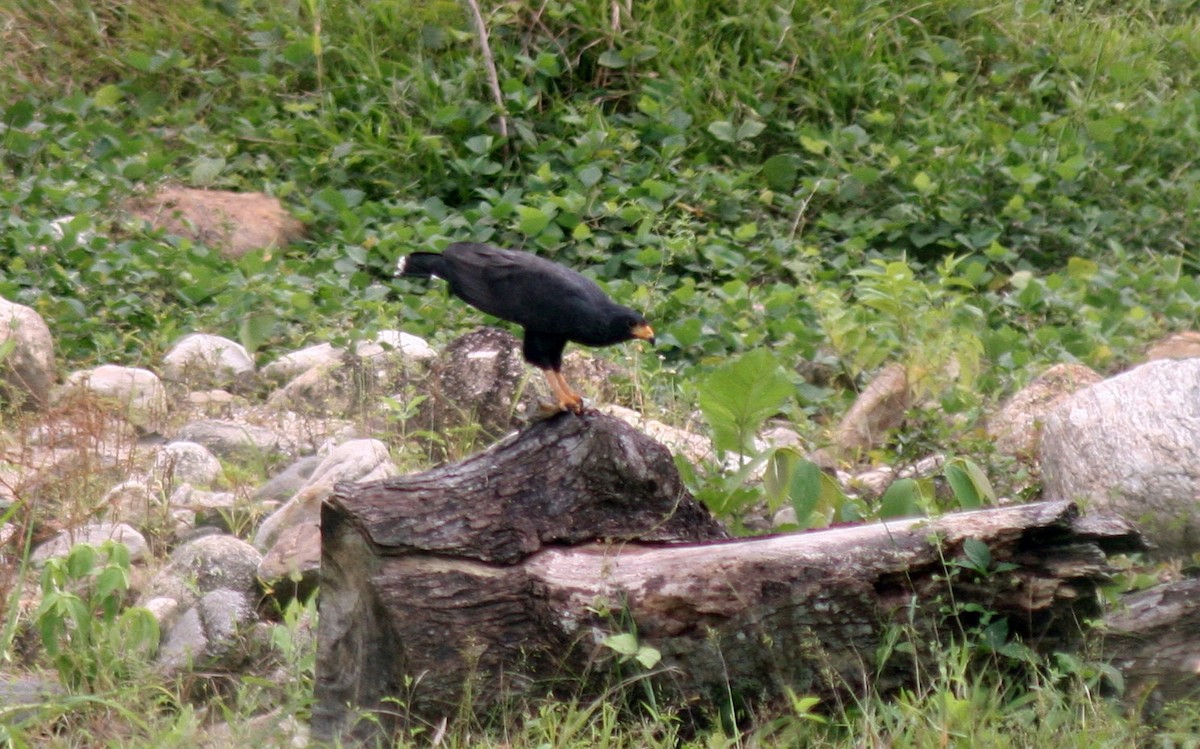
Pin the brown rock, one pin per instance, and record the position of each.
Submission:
(27, 366)
(292, 567)
(1185, 345)
(879, 407)
(1017, 427)
(231, 222)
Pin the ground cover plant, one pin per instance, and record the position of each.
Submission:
(783, 187)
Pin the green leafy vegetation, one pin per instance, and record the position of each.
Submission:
(91, 640)
(796, 194)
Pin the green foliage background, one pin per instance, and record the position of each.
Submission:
(992, 186)
(796, 193)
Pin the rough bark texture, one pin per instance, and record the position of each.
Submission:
(420, 583)
(1154, 641)
(499, 577)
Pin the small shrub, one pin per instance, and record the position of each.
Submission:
(93, 640)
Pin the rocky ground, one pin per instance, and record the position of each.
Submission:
(212, 470)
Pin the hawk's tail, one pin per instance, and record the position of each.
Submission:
(420, 264)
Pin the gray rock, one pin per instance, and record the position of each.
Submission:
(784, 516)
(231, 438)
(878, 408)
(17, 693)
(94, 534)
(27, 370)
(396, 343)
(184, 462)
(327, 389)
(219, 562)
(225, 614)
(212, 403)
(696, 448)
(197, 507)
(133, 501)
(164, 610)
(292, 566)
(1183, 345)
(206, 564)
(137, 393)
(1129, 445)
(324, 380)
(278, 729)
(290, 480)
(189, 497)
(209, 634)
(184, 644)
(208, 360)
(290, 366)
(597, 379)
(356, 460)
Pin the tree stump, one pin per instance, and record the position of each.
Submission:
(500, 577)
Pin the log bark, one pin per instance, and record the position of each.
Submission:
(1153, 639)
(500, 577)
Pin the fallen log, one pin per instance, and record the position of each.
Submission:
(501, 577)
(1153, 639)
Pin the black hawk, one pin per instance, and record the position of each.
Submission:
(554, 304)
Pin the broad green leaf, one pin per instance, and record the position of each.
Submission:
(969, 483)
(138, 630)
(547, 64)
(590, 175)
(256, 329)
(746, 232)
(298, 54)
(648, 657)
(624, 643)
(808, 489)
(750, 129)
(738, 397)
(107, 96)
(815, 146)
(81, 560)
(611, 58)
(111, 580)
(723, 131)
(901, 500)
(923, 183)
(140, 61)
(780, 171)
(1082, 269)
(963, 488)
(979, 556)
(532, 220)
(479, 145)
(1105, 130)
(1072, 167)
(20, 114)
(205, 170)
